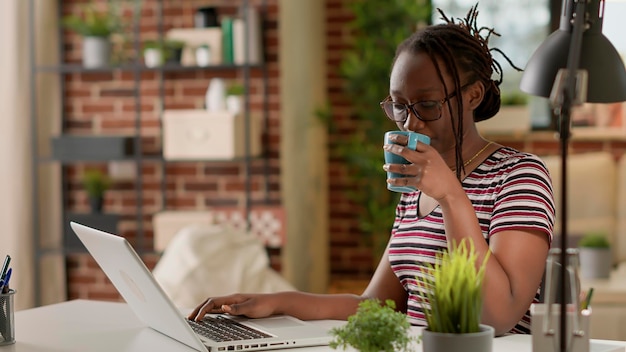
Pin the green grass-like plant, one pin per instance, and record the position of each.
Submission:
(375, 327)
(235, 89)
(451, 295)
(594, 240)
(514, 98)
(92, 23)
(95, 183)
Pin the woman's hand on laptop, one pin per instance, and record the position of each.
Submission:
(249, 305)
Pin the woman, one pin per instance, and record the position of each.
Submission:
(467, 187)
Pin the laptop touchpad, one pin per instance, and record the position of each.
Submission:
(276, 323)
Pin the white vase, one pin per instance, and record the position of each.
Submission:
(216, 95)
(96, 51)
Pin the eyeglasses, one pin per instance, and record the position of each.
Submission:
(425, 110)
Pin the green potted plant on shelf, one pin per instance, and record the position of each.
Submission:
(595, 256)
(96, 27)
(96, 183)
(234, 97)
(451, 298)
(375, 327)
(153, 53)
(157, 52)
(173, 50)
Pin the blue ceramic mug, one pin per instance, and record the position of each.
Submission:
(391, 158)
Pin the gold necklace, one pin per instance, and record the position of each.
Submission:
(475, 155)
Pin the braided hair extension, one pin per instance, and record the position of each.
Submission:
(462, 48)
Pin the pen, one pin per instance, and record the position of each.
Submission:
(5, 266)
(588, 298)
(5, 288)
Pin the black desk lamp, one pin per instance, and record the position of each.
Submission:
(575, 64)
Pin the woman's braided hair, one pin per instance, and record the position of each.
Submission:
(462, 48)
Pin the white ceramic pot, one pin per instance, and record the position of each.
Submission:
(152, 57)
(234, 103)
(595, 263)
(481, 341)
(203, 56)
(96, 51)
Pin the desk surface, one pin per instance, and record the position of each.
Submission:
(83, 325)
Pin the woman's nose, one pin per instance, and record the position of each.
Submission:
(413, 123)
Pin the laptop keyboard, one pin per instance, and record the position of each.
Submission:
(223, 329)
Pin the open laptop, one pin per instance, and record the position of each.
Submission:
(150, 303)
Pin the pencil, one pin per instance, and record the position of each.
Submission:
(588, 298)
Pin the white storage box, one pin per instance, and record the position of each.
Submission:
(201, 134)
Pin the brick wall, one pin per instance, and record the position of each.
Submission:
(103, 103)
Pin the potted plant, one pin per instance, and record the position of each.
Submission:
(173, 50)
(96, 28)
(375, 327)
(595, 256)
(451, 298)
(234, 94)
(157, 52)
(95, 183)
(203, 55)
(153, 53)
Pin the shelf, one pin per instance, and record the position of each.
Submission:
(148, 158)
(101, 221)
(78, 68)
(136, 86)
(75, 148)
(578, 134)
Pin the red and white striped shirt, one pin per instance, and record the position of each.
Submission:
(510, 190)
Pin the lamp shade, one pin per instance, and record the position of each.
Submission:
(606, 72)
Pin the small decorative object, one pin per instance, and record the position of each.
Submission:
(234, 99)
(173, 50)
(96, 28)
(451, 292)
(156, 53)
(153, 54)
(96, 183)
(216, 95)
(375, 327)
(203, 55)
(595, 256)
(205, 17)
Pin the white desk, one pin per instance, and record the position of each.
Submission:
(82, 325)
(609, 305)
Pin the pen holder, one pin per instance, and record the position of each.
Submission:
(7, 318)
(545, 328)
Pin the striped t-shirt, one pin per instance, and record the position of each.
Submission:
(510, 190)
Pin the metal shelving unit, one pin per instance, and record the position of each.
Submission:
(137, 68)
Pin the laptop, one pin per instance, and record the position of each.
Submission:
(150, 303)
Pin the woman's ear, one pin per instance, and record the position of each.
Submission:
(475, 94)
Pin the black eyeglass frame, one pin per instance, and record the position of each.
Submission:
(411, 107)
